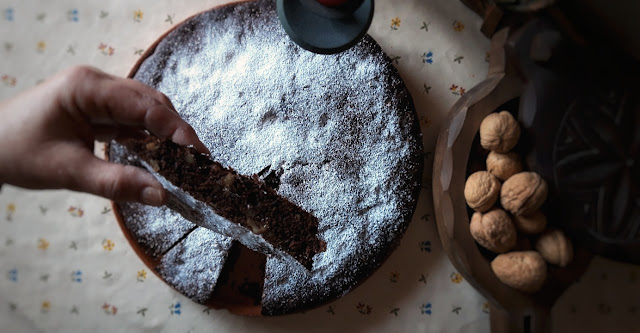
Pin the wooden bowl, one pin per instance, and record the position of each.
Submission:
(579, 112)
(511, 310)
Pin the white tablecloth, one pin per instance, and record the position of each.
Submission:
(66, 267)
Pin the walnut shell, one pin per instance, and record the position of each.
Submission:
(523, 193)
(555, 247)
(481, 191)
(499, 132)
(493, 230)
(533, 224)
(503, 166)
(523, 270)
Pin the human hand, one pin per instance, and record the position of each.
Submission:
(49, 132)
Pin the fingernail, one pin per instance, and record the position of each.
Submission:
(152, 196)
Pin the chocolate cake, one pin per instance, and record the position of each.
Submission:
(336, 135)
(233, 205)
(193, 265)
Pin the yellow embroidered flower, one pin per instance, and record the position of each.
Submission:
(109, 309)
(8, 80)
(394, 277)
(363, 308)
(457, 90)
(11, 208)
(395, 23)
(456, 278)
(142, 275)
(46, 306)
(75, 211)
(43, 244)
(485, 307)
(41, 46)
(137, 15)
(106, 49)
(458, 26)
(108, 245)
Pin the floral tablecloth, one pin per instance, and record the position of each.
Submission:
(66, 267)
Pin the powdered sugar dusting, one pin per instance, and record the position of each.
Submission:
(193, 266)
(155, 228)
(339, 130)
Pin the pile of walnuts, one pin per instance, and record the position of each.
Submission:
(495, 226)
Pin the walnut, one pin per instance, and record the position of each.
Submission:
(154, 165)
(521, 270)
(481, 191)
(152, 146)
(523, 193)
(190, 158)
(493, 230)
(499, 132)
(255, 227)
(555, 247)
(503, 166)
(532, 224)
(228, 180)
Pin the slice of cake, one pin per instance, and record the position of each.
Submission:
(234, 205)
(183, 265)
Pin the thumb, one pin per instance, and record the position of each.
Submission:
(119, 182)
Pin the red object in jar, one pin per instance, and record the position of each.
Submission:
(332, 3)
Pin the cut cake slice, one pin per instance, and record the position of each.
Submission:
(234, 205)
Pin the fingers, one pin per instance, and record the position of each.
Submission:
(109, 100)
(115, 181)
(169, 125)
(106, 133)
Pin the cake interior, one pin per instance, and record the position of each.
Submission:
(244, 200)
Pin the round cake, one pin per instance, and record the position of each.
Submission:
(335, 134)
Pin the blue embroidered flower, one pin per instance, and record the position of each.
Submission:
(8, 14)
(425, 246)
(426, 308)
(13, 275)
(175, 308)
(72, 15)
(427, 57)
(76, 276)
